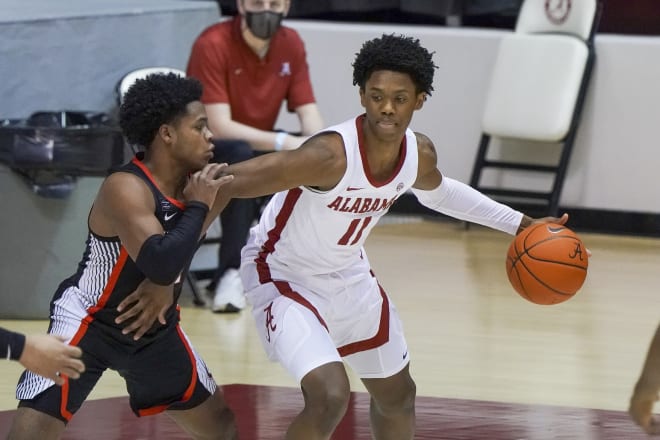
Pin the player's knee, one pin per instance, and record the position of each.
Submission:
(397, 399)
(337, 401)
(224, 418)
(228, 429)
(407, 397)
(29, 424)
(328, 403)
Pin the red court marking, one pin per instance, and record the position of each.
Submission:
(263, 413)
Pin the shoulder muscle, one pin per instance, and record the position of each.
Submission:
(428, 174)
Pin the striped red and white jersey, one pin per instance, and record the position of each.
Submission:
(304, 231)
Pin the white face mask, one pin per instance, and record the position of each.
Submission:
(263, 24)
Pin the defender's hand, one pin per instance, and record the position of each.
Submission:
(49, 356)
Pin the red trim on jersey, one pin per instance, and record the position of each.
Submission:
(191, 387)
(84, 326)
(112, 281)
(380, 338)
(65, 413)
(285, 289)
(268, 247)
(359, 121)
(152, 411)
(137, 162)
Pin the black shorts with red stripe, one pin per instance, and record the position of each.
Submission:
(162, 375)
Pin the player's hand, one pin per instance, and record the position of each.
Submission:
(558, 220)
(49, 356)
(641, 409)
(203, 185)
(529, 221)
(148, 303)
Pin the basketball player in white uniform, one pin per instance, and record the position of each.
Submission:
(315, 299)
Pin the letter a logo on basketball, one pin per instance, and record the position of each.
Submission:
(577, 252)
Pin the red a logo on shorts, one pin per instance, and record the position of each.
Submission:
(270, 327)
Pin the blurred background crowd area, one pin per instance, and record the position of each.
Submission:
(638, 17)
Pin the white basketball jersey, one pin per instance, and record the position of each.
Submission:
(306, 232)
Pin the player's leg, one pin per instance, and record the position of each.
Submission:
(326, 391)
(45, 408)
(384, 370)
(211, 420)
(169, 375)
(29, 424)
(295, 336)
(392, 406)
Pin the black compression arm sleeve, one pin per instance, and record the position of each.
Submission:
(11, 344)
(163, 257)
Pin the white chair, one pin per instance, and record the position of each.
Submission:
(536, 94)
(129, 78)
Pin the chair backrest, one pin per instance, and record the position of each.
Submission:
(540, 71)
(128, 79)
(575, 17)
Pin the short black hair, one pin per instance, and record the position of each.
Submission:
(153, 101)
(397, 53)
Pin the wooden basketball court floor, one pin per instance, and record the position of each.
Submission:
(488, 364)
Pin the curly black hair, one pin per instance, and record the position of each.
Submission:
(153, 101)
(397, 53)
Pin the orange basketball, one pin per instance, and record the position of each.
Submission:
(547, 263)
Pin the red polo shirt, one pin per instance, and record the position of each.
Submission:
(254, 88)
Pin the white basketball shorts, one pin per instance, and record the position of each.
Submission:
(305, 322)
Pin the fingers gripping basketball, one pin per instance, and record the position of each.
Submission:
(547, 263)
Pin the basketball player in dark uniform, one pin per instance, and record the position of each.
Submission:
(145, 223)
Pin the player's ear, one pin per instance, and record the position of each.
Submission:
(421, 97)
(362, 97)
(166, 133)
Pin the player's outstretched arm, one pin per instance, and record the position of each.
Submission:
(647, 389)
(320, 163)
(51, 357)
(461, 201)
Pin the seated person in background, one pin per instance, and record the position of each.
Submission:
(249, 66)
(46, 355)
(647, 390)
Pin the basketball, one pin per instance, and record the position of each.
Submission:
(547, 263)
